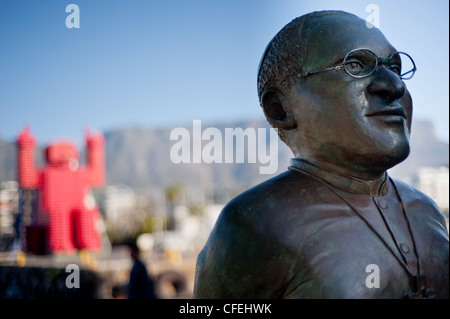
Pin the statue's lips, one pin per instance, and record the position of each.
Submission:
(394, 114)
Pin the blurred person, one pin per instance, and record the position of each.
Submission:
(140, 285)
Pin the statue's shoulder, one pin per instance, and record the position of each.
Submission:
(244, 247)
(273, 200)
(416, 201)
(274, 191)
(411, 195)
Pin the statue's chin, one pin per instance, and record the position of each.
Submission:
(380, 162)
(366, 163)
(399, 157)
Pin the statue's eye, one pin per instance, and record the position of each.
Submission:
(396, 68)
(354, 67)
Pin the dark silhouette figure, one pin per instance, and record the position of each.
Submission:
(141, 285)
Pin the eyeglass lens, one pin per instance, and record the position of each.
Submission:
(362, 63)
(407, 66)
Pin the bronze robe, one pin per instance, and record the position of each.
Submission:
(309, 233)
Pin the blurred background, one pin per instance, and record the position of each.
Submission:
(132, 72)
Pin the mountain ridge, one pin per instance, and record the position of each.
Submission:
(140, 158)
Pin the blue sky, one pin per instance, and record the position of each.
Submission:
(155, 64)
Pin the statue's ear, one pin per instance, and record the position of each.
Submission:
(274, 106)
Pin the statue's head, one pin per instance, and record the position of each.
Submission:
(343, 109)
(62, 154)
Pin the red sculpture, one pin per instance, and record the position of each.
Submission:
(67, 212)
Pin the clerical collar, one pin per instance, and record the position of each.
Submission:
(375, 187)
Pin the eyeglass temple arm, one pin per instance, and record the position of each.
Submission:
(336, 68)
(412, 70)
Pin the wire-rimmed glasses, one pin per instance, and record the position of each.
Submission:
(361, 63)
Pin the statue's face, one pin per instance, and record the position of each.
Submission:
(61, 154)
(349, 122)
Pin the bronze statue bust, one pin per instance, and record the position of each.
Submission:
(335, 91)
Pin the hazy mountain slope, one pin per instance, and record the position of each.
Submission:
(140, 158)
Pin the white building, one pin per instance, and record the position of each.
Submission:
(435, 183)
(117, 203)
(9, 199)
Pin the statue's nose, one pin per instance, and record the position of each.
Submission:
(387, 85)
